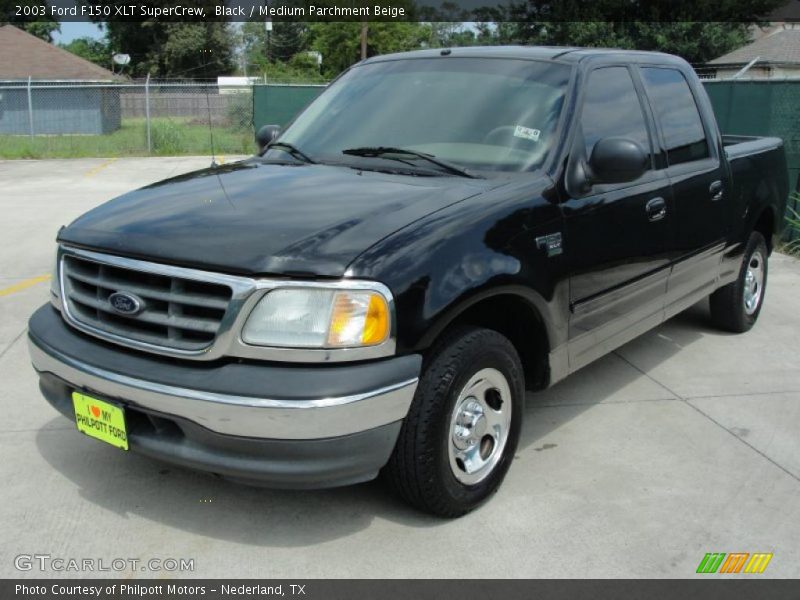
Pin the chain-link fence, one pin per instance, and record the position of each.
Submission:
(67, 119)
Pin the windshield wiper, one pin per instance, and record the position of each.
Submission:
(382, 151)
(292, 150)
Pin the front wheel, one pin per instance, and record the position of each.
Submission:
(736, 306)
(462, 429)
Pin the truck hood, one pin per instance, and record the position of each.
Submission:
(259, 218)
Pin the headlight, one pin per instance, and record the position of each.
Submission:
(319, 318)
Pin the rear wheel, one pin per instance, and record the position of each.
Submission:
(460, 435)
(736, 306)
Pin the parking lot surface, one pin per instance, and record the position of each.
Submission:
(684, 441)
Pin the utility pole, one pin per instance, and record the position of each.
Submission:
(244, 52)
(268, 29)
(268, 32)
(364, 31)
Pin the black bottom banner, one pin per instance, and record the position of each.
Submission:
(394, 589)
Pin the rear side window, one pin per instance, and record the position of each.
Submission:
(611, 108)
(676, 110)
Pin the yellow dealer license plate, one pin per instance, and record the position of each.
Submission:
(100, 420)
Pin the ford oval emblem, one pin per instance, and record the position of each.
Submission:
(125, 303)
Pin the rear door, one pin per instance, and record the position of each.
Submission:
(699, 185)
(616, 235)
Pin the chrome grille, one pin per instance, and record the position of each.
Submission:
(179, 313)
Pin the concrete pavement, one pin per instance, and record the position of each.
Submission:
(685, 441)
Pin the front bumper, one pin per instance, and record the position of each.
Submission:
(282, 426)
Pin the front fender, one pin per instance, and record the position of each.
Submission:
(541, 308)
(482, 247)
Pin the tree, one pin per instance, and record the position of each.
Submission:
(254, 44)
(697, 42)
(287, 39)
(40, 26)
(627, 11)
(280, 55)
(340, 43)
(96, 51)
(676, 26)
(446, 27)
(168, 48)
(197, 50)
(450, 34)
(174, 49)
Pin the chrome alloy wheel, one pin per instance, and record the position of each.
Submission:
(479, 426)
(754, 283)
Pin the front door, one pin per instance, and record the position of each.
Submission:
(616, 234)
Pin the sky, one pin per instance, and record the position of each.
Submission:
(70, 31)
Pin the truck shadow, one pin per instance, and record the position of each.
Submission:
(136, 487)
(615, 379)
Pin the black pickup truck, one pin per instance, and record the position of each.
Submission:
(375, 291)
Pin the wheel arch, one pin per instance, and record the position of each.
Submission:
(517, 314)
(765, 225)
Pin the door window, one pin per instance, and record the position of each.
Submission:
(611, 108)
(676, 110)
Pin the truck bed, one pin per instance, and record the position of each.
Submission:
(758, 169)
(737, 146)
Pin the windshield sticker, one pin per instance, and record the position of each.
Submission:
(527, 133)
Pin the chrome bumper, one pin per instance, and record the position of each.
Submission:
(243, 416)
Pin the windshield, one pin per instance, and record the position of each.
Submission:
(477, 113)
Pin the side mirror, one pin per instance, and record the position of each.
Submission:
(617, 160)
(266, 135)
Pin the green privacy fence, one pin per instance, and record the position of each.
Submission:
(743, 107)
(761, 107)
(746, 107)
(277, 104)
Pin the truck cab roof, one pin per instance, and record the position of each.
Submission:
(569, 54)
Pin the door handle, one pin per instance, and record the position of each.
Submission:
(656, 209)
(716, 190)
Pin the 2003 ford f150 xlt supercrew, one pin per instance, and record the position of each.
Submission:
(438, 232)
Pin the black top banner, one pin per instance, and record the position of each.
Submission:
(402, 10)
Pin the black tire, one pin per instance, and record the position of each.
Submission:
(419, 468)
(728, 303)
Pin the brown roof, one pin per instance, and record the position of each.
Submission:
(781, 46)
(25, 55)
